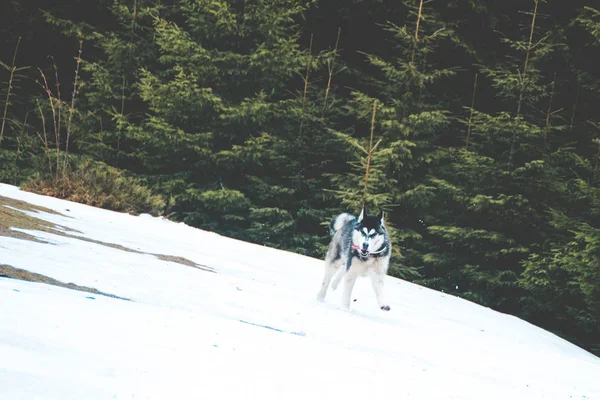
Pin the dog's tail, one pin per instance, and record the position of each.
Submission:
(339, 221)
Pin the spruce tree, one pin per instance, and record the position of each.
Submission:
(409, 123)
(563, 278)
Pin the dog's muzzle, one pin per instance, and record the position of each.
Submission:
(362, 252)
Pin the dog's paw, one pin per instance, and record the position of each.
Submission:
(385, 308)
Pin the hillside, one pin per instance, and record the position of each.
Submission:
(159, 310)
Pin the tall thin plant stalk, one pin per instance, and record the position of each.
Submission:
(331, 68)
(45, 138)
(133, 23)
(124, 84)
(18, 154)
(370, 154)
(523, 81)
(414, 53)
(55, 118)
(13, 69)
(596, 167)
(572, 120)
(416, 40)
(308, 63)
(59, 101)
(470, 123)
(73, 99)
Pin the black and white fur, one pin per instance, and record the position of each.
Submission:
(360, 247)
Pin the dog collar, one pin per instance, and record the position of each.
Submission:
(379, 251)
(355, 247)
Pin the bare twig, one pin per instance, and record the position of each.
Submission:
(547, 125)
(414, 51)
(308, 62)
(331, 68)
(523, 82)
(370, 155)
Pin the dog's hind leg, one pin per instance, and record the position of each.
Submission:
(330, 269)
(340, 273)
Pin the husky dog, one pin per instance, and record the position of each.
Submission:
(360, 246)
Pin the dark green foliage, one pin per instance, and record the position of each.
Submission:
(247, 125)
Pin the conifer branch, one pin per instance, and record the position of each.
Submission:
(9, 90)
(331, 73)
(469, 125)
(370, 155)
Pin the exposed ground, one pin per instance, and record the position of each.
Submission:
(15, 215)
(8, 271)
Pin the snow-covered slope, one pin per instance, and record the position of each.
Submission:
(251, 329)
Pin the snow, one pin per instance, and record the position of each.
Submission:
(250, 330)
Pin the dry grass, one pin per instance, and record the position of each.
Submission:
(7, 271)
(183, 261)
(15, 218)
(99, 185)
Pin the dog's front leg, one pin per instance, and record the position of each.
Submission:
(377, 282)
(349, 281)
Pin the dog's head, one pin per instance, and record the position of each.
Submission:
(369, 233)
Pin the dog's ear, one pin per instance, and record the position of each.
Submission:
(380, 216)
(362, 215)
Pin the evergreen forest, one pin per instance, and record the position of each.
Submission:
(474, 124)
